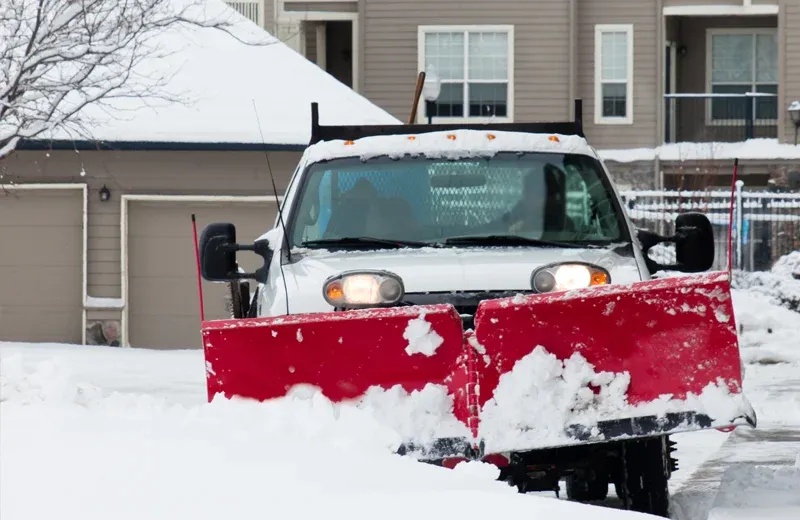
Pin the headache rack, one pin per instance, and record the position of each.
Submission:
(351, 133)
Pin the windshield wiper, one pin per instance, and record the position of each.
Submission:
(512, 240)
(366, 242)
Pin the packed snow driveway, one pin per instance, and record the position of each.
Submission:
(754, 474)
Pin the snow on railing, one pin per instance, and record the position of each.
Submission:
(706, 116)
(770, 221)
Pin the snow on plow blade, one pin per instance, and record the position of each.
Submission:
(651, 357)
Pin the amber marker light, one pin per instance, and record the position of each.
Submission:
(334, 291)
(599, 278)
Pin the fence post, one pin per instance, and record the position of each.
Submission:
(739, 214)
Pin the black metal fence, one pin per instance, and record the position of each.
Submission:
(720, 117)
(766, 225)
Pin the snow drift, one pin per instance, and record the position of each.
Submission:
(75, 447)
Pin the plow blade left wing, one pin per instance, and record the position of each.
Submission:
(348, 356)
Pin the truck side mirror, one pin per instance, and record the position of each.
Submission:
(694, 244)
(218, 253)
(218, 249)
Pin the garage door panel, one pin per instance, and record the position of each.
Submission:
(162, 284)
(41, 260)
(35, 208)
(173, 297)
(177, 258)
(23, 285)
(155, 220)
(46, 324)
(30, 252)
(169, 332)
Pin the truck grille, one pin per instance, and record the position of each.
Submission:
(465, 303)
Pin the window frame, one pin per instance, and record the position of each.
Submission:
(729, 31)
(599, 30)
(423, 30)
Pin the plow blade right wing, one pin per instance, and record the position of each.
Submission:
(593, 364)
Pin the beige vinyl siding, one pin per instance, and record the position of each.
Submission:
(165, 173)
(644, 16)
(269, 15)
(311, 40)
(541, 50)
(789, 42)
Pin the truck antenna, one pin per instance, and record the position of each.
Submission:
(280, 210)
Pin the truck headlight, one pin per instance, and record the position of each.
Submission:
(568, 276)
(363, 289)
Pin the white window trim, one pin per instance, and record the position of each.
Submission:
(733, 30)
(422, 30)
(599, 29)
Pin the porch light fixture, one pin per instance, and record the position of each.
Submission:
(431, 90)
(105, 193)
(794, 113)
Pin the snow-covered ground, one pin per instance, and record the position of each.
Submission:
(93, 432)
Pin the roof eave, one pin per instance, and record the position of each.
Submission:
(149, 146)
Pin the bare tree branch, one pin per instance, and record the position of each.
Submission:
(59, 56)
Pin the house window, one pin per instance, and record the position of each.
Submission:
(613, 62)
(475, 66)
(742, 61)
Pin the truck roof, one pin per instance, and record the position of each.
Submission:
(446, 141)
(448, 144)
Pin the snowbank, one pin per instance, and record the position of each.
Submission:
(768, 332)
(73, 447)
(788, 265)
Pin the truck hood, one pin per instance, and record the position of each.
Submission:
(436, 270)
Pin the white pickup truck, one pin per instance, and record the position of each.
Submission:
(421, 216)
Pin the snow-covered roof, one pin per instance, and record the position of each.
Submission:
(449, 144)
(226, 83)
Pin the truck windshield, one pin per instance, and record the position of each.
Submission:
(558, 198)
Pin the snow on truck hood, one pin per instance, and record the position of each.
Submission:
(439, 270)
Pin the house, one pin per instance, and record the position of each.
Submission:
(652, 73)
(96, 232)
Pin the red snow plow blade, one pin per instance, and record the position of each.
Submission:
(539, 371)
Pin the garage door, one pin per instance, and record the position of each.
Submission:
(162, 285)
(41, 265)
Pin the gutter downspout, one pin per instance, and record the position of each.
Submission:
(573, 47)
